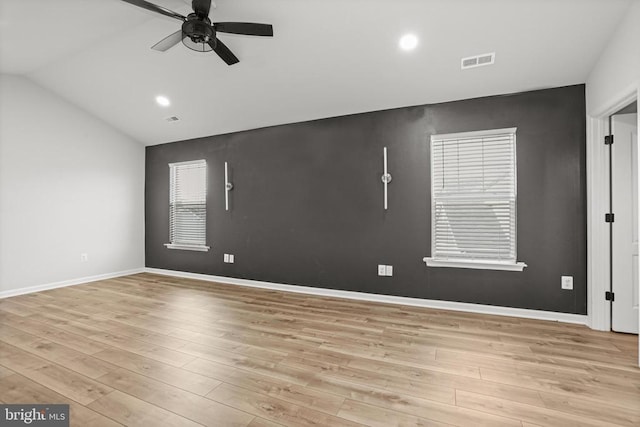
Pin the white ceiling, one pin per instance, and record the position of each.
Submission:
(328, 57)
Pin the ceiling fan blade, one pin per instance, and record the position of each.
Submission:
(223, 52)
(201, 7)
(168, 42)
(246, 28)
(155, 8)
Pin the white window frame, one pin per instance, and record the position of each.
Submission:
(183, 245)
(435, 261)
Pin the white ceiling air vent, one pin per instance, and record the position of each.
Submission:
(478, 60)
(172, 119)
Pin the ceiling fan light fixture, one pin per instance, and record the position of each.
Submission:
(198, 46)
(197, 33)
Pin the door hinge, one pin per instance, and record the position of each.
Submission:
(608, 140)
(609, 217)
(609, 296)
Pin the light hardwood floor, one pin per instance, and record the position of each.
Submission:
(149, 350)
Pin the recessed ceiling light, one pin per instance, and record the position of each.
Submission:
(163, 101)
(408, 42)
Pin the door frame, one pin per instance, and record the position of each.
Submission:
(624, 316)
(598, 266)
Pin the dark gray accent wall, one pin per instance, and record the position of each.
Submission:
(307, 203)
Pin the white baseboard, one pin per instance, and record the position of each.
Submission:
(64, 283)
(389, 299)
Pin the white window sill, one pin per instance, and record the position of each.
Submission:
(478, 265)
(199, 248)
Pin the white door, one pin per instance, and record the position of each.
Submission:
(625, 227)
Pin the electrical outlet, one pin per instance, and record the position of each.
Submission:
(84, 257)
(567, 282)
(382, 270)
(389, 270)
(231, 258)
(226, 258)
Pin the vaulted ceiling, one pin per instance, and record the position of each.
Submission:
(327, 57)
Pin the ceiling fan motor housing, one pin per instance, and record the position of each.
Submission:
(197, 32)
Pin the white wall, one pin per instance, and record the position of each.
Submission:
(614, 80)
(617, 71)
(69, 184)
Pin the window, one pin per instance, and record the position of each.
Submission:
(188, 205)
(473, 200)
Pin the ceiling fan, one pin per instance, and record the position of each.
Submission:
(199, 33)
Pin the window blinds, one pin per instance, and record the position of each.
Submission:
(473, 195)
(188, 203)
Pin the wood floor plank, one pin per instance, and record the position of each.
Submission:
(86, 365)
(502, 362)
(219, 346)
(529, 413)
(229, 339)
(623, 398)
(379, 417)
(9, 305)
(419, 370)
(181, 378)
(62, 380)
(287, 374)
(273, 385)
(359, 376)
(68, 322)
(18, 360)
(66, 382)
(431, 410)
(19, 389)
(369, 393)
(59, 354)
(131, 411)
(5, 372)
(152, 351)
(189, 405)
(148, 349)
(261, 422)
(274, 409)
(46, 330)
(592, 408)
